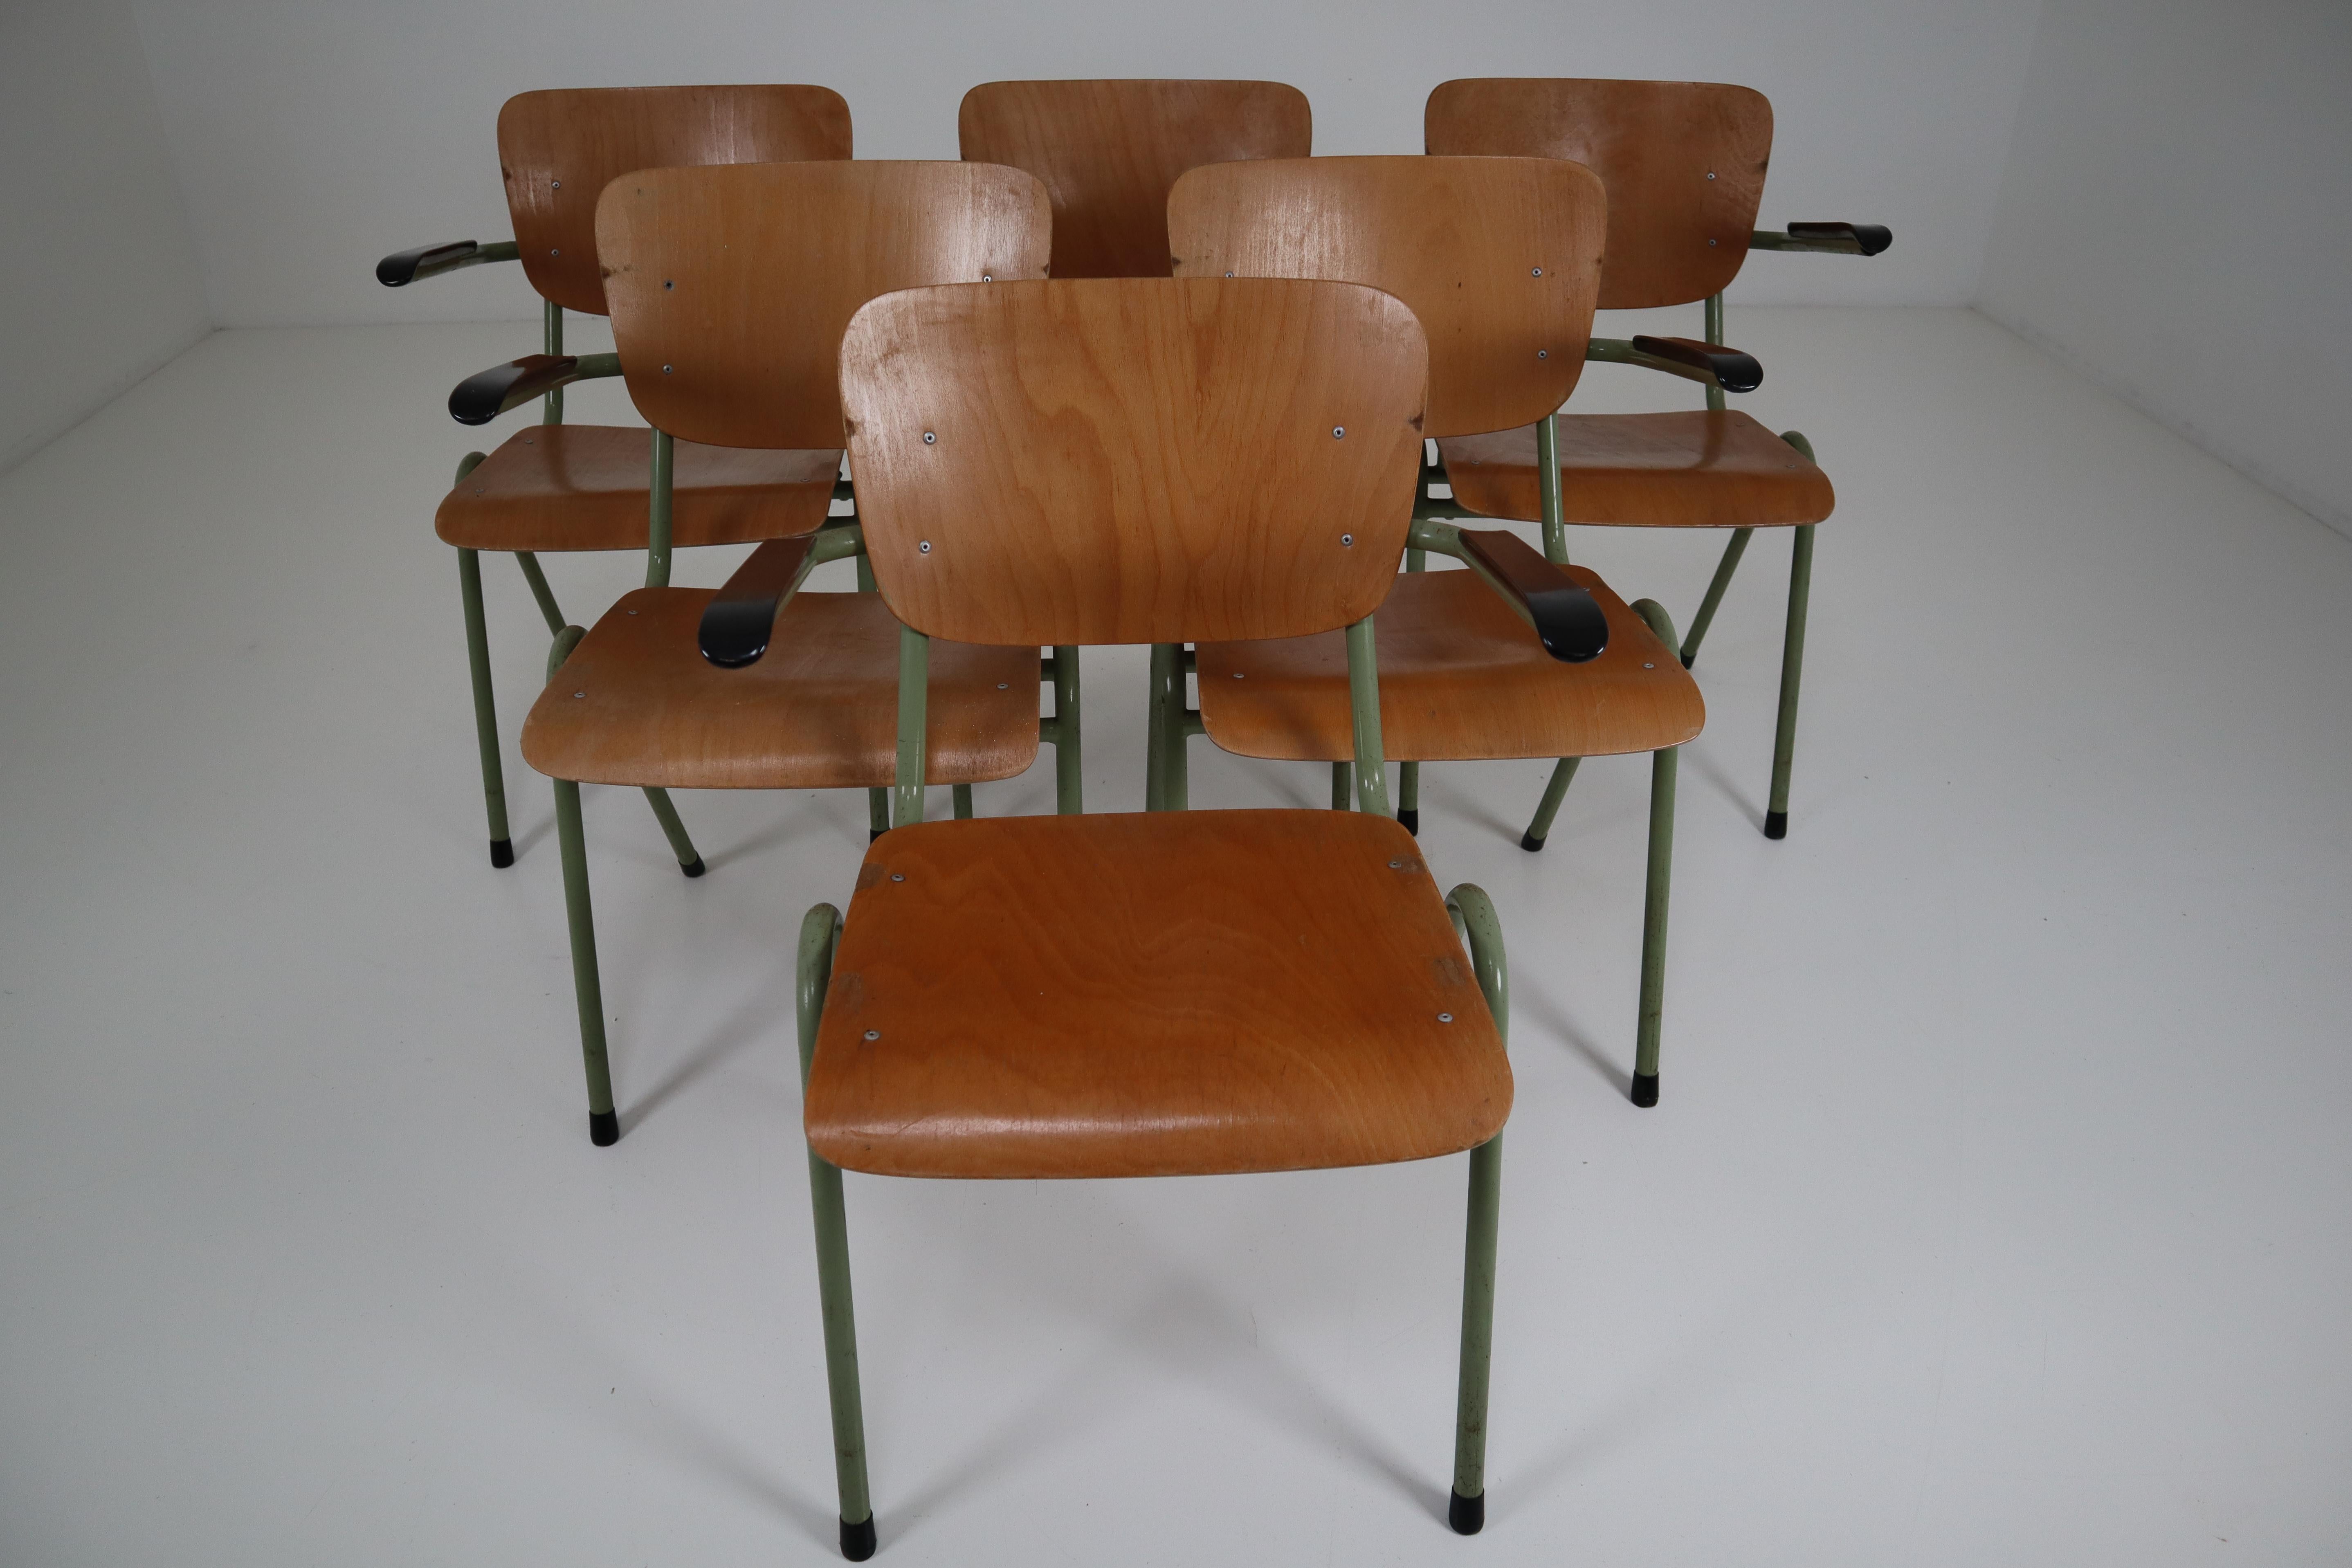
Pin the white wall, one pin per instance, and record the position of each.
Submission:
(99, 278)
(311, 139)
(2177, 222)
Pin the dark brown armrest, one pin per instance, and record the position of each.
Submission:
(1733, 371)
(483, 396)
(1867, 238)
(1567, 622)
(737, 625)
(404, 266)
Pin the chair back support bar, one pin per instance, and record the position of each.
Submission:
(558, 150)
(1132, 461)
(1498, 258)
(729, 287)
(1683, 163)
(1109, 151)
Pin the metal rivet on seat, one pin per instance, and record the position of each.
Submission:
(579, 694)
(1348, 539)
(555, 185)
(669, 282)
(555, 253)
(1446, 1017)
(925, 547)
(1229, 275)
(664, 370)
(897, 875)
(929, 437)
(1543, 353)
(873, 1034)
(1396, 865)
(1338, 432)
(632, 612)
(1237, 675)
(1001, 685)
(988, 278)
(1710, 173)
(1649, 667)
(1538, 272)
(1710, 242)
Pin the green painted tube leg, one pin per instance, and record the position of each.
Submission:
(962, 796)
(588, 991)
(1176, 784)
(820, 934)
(1792, 675)
(1409, 796)
(1475, 919)
(1658, 892)
(1069, 754)
(877, 813)
(552, 328)
(485, 713)
(914, 700)
(540, 591)
(1343, 785)
(1715, 591)
(689, 859)
(1155, 732)
(1562, 774)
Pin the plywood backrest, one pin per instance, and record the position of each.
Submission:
(1499, 258)
(558, 150)
(729, 287)
(1127, 461)
(1109, 152)
(1684, 161)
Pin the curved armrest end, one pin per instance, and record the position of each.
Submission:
(1733, 371)
(739, 623)
(1567, 620)
(402, 266)
(484, 395)
(1867, 238)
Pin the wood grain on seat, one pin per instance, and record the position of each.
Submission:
(1499, 258)
(638, 704)
(1129, 460)
(1109, 151)
(1684, 161)
(729, 287)
(558, 150)
(1462, 678)
(1133, 996)
(1697, 468)
(584, 487)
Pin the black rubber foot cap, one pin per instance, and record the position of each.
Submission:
(1645, 1089)
(603, 1129)
(1687, 659)
(697, 869)
(858, 1539)
(1530, 843)
(1776, 824)
(1467, 1515)
(1409, 817)
(874, 833)
(502, 853)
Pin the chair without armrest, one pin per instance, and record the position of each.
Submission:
(1142, 460)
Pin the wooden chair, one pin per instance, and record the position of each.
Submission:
(1519, 657)
(561, 487)
(1683, 164)
(730, 288)
(1125, 460)
(1109, 152)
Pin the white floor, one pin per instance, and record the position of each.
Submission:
(1997, 1210)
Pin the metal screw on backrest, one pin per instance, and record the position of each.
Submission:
(925, 547)
(555, 253)
(929, 437)
(1710, 173)
(555, 185)
(1446, 1017)
(897, 875)
(1710, 242)
(1538, 272)
(873, 1034)
(1348, 539)
(988, 278)
(669, 283)
(664, 370)
(1543, 353)
(1338, 432)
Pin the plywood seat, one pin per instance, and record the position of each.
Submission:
(1694, 469)
(584, 487)
(636, 703)
(1136, 996)
(1462, 679)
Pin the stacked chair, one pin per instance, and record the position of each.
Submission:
(1137, 369)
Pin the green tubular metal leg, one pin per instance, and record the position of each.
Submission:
(1792, 664)
(1364, 711)
(1343, 785)
(1069, 756)
(1563, 773)
(1715, 591)
(1482, 933)
(689, 859)
(820, 935)
(551, 318)
(541, 591)
(588, 991)
(1658, 890)
(1555, 541)
(914, 702)
(485, 713)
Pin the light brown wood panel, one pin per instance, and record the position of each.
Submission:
(729, 287)
(1684, 161)
(1694, 469)
(1178, 993)
(558, 150)
(1462, 678)
(584, 487)
(1122, 460)
(637, 703)
(1500, 257)
(1109, 151)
